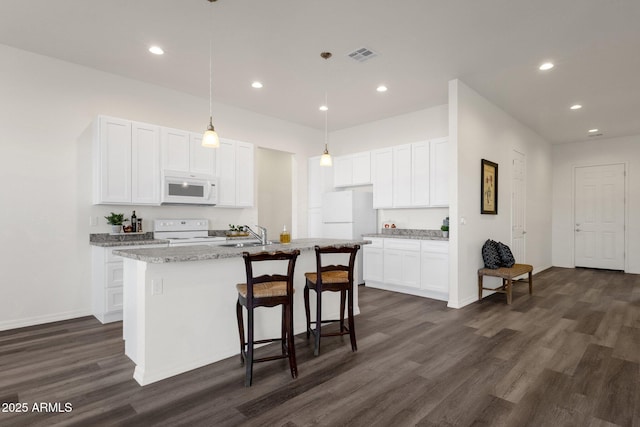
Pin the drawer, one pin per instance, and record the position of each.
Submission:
(376, 242)
(115, 274)
(114, 300)
(402, 244)
(436, 246)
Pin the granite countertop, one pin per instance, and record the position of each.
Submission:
(124, 239)
(408, 233)
(209, 252)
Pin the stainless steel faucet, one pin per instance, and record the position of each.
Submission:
(262, 236)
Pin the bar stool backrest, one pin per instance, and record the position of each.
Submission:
(351, 250)
(250, 259)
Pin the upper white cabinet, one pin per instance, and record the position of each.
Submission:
(420, 174)
(439, 175)
(234, 166)
(402, 176)
(382, 177)
(125, 162)
(182, 151)
(352, 170)
(410, 175)
(145, 164)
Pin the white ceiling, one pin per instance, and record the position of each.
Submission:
(494, 46)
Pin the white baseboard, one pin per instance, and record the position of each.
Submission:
(39, 320)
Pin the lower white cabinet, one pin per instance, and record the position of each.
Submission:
(434, 263)
(107, 282)
(401, 260)
(417, 267)
(373, 269)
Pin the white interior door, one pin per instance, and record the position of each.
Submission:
(599, 216)
(518, 206)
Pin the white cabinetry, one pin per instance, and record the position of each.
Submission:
(435, 267)
(416, 267)
(402, 262)
(125, 162)
(107, 281)
(182, 151)
(410, 175)
(439, 172)
(319, 181)
(382, 178)
(420, 174)
(352, 170)
(145, 164)
(402, 176)
(235, 163)
(373, 269)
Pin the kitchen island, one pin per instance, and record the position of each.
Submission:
(179, 303)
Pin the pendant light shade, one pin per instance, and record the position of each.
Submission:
(210, 138)
(325, 159)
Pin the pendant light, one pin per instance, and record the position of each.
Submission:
(325, 159)
(210, 137)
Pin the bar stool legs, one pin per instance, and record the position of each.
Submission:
(267, 290)
(333, 278)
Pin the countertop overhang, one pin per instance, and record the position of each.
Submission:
(210, 252)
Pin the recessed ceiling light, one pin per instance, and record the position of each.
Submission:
(593, 130)
(256, 85)
(324, 108)
(156, 50)
(546, 66)
(381, 88)
(576, 107)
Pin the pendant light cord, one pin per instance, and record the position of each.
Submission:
(326, 102)
(211, 69)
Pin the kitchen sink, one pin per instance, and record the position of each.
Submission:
(243, 244)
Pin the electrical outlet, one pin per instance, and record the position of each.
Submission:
(156, 287)
(93, 221)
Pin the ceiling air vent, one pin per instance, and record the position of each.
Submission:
(596, 134)
(362, 54)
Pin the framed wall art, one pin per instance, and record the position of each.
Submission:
(489, 188)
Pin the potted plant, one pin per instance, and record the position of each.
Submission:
(445, 230)
(115, 221)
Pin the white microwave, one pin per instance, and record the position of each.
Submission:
(180, 188)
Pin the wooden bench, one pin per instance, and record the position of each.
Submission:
(507, 274)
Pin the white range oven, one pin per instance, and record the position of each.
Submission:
(184, 232)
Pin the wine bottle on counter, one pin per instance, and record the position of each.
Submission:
(134, 222)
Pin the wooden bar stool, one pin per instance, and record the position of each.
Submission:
(267, 290)
(506, 274)
(332, 278)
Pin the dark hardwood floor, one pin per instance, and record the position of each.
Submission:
(568, 355)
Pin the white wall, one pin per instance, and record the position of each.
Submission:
(417, 126)
(273, 170)
(47, 104)
(480, 130)
(598, 152)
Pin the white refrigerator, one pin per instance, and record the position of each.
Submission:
(348, 215)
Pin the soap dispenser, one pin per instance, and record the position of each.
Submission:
(285, 237)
